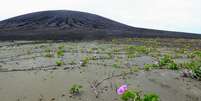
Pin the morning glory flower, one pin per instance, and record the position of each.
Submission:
(122, 89)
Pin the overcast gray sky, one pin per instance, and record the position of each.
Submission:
(173, 15)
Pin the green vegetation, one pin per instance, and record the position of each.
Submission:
(75, 89)
(168, 62)
(197, 53)
(195, 67)
(165, 60)
(59, 63)
(132, 51)
(197, 73)
(60, 53)
(109, 55)
(148, 67)
(72, 62)
(191, 65)
(139, 49)
(61, 47)
(151, 97)
(135, 96)
(173, 66)
(85, 61)
(134, 69)
(116, 65)
(48, 53)
(131, 96)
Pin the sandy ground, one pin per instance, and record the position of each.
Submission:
(27, 75)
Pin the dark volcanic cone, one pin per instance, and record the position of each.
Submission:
(62, 24)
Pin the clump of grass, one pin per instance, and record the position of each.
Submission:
(131, 55)
(72, 62)
(115, 65)
(133, 50)
(181, 50)
(134, 69)
(130, 50)
(85, 61)
(49, 55)
(114, 41)
(149, 67)
(60, 53)
(129, 40)
(116, 50)
(109, 55)
(194, 54)
(92, 50)
(93, 58)
(59, 63)
(191, 65)
(173, 66)
(75, 89)
(197, 53)
(61, 47)
(47, 50)
(143, 49)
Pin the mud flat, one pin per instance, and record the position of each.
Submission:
(29, 71)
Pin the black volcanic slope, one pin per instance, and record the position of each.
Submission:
(72, 25)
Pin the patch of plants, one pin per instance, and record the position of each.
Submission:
(197, 73)
(116, 50)
(59, 63)
(110, 55)
(75, 89)
(149, 67)
(48, 53)
(116, 65)
(143, 49)
(61, 47)
(130, 50)
(194, 67)
(60, 53)
(133, 50)
(168, 62)
(130, 95)
(134, 69)
(181, 50)
(85, 61)
(151, 97)
(194, 54)
(72, 62)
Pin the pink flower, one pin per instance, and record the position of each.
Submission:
(122, 89)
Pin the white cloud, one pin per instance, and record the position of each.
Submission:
(178, 15)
